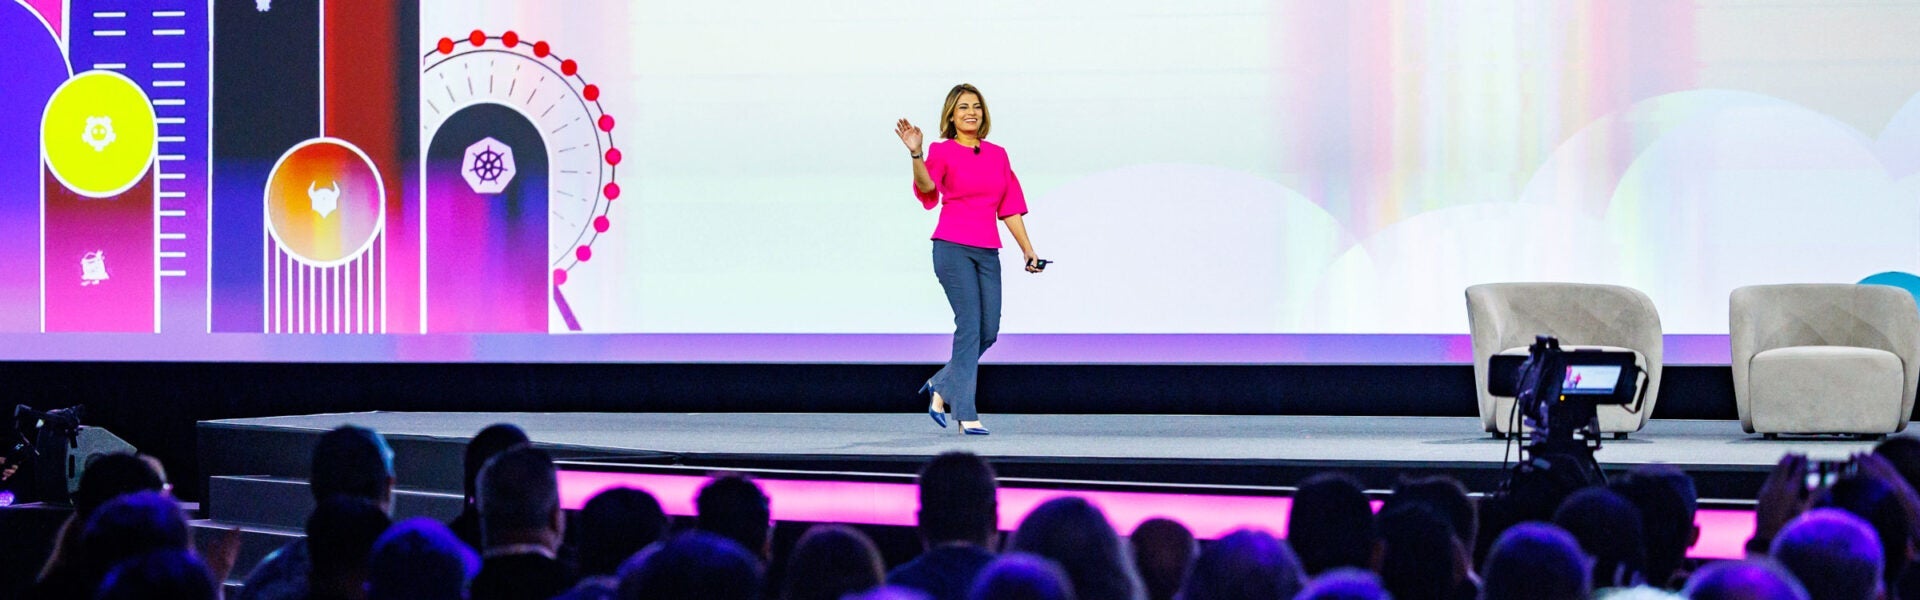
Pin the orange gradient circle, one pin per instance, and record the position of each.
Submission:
(324, 202)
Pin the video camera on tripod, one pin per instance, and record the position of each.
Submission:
(1555, 393)
(44, 453)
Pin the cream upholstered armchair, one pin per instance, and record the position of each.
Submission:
(1824, 358)
(1505, 317)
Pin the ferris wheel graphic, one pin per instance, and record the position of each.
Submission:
(516, 139)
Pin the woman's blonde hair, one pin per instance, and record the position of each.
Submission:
(947, 130)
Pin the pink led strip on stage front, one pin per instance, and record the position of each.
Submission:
(1723, 533)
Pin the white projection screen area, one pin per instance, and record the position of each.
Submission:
(1244, 167)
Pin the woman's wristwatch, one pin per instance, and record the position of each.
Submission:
(918, 155)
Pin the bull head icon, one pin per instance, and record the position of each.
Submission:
(324, 199)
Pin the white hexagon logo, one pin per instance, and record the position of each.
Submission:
(488, 166)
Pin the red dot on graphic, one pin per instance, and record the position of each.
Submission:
(591, 92)
(613, 156)
(600, 224)
(541, 49)
(606, 122)
(583, 253)
(477, 37)
(568, 67)
(511, 39)
(446, 46)
(612, 191)
(559, 276)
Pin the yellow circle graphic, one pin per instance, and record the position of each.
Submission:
(98, 133)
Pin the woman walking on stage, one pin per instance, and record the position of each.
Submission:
(973, 183)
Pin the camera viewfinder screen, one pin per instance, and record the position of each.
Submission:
(1590, 379)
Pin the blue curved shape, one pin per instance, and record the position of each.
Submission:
(1905, 281)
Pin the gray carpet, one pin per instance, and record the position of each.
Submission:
(1413, 441)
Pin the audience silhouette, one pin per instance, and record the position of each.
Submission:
(1849, 539)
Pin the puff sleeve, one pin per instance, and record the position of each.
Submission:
(937, 171)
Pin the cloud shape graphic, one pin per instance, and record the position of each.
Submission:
(1718, 190)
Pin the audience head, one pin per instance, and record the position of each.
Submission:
(888, 592)
(1834, 553)
(1017, 576)
(490, 442)
(174, 574)
(831, 561)
(1639, 592)
(353, 461)
(1535, 561)
(1163, 551)
(957, 502)
(615, 524)
(1608, 528)
(696, 564)
(1331, 524)
(1245, 565)
(519, 499)
(733, 506)
(420, 559)
(1675, 480)
(1666, 499)
(1422, 557)
(1743, 580)
(1878, 504)
(1445, 495)
(131, 525)
(340, 536)
(1076, 535)
(1345, 584)
(110, 476)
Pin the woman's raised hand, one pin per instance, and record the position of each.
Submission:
(909, 135)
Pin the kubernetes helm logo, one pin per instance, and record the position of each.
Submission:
(488, 166)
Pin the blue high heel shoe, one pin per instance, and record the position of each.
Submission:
(939, 418)
(982, 430)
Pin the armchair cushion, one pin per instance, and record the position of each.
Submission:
(1826, 389)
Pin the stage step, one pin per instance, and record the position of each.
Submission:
(256, 542)
(272, 511)
(248, 500)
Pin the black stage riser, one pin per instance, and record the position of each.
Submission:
(154, 405)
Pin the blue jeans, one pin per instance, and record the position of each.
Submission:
(971, 277)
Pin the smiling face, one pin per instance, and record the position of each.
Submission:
(967, 114)
(965, 111)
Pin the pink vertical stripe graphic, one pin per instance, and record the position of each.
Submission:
(338, 299)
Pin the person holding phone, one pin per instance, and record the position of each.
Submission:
(972, 182)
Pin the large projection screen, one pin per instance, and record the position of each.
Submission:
(1289, 181)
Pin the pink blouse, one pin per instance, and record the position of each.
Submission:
(974, 191)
